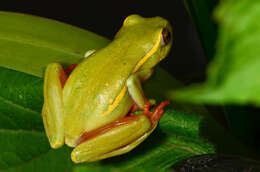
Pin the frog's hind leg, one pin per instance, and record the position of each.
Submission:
(53, 109)
(118, 137)
(114, 139)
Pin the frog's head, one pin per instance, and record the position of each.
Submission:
(151, 37)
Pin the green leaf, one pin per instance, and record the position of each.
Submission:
(28, 43)
(25, 147)
(20, 100)
(51, 161)
(23, 150)
(233, 74)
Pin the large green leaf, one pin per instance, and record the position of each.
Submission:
(28, 43)
(23, 144)
(233, 74)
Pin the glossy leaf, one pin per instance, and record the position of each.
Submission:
(27, 148)
(28, 43)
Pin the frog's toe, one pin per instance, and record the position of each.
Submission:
(70, 141)
(157, 113)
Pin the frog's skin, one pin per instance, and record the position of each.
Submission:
(102, 89)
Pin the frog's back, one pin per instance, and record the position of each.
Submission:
(96, 88)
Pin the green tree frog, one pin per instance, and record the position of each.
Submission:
(91, 109)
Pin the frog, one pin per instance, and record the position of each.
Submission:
(90, 106)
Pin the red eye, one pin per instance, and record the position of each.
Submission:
(166, 36)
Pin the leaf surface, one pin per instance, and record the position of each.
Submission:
(28, 43)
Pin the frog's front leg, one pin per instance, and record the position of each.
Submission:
(53, 109)
(134, 85)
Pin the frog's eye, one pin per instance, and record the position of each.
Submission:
(165, 36)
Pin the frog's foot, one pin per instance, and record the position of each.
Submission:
(135, 107)
(157, 113)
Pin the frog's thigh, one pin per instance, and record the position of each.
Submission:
(134, 85)
(117, 141)
(53, 110)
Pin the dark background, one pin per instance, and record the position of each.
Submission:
(186, 60)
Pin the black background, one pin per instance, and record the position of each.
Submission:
(186, 59)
